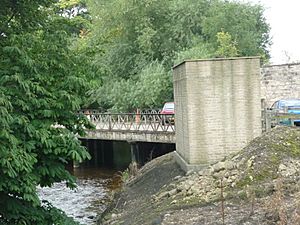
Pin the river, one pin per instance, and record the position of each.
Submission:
(88, 199)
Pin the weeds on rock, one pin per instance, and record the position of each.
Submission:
(295, 219)
(251, 196)
(129, 173)
(222, 201)
(133, 169)
(296, 216)
(276, 206)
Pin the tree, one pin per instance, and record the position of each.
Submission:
(227, 47)
(134, 35)
(200, 50)
(42, 85)
(244, 22)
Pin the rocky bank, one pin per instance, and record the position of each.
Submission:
(258, 185)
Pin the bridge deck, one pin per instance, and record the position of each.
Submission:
(139, 127)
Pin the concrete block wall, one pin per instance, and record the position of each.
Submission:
(217, 107)
(280, 81)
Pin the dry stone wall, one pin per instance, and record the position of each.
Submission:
(280, 81)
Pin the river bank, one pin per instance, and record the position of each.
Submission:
(259, 185)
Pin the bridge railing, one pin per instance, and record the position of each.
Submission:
(153, 122)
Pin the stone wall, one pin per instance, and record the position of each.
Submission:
(217, 108)
(280, 81)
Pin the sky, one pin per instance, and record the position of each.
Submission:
(284, 18)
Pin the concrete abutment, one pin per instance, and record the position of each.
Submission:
(218, 108)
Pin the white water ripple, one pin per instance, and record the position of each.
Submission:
(83, 203)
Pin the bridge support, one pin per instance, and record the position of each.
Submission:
(218, 108)
(134, 149)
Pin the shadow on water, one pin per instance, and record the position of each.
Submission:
(119, 154)
(111, 179)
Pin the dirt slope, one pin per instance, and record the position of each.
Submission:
(259, 185)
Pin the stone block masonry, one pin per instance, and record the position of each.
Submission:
(218, 108)
(280, 81)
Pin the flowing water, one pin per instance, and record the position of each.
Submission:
(88, 199)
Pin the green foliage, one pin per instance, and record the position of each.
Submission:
(115, 94)
(244, 22)
(152, 87)
(227, 47)
(45, 214)
(133, 37)
(125, 176)
(129, 173)
(148, 89)
(42, 85)
(200, 50)
(21, 16)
